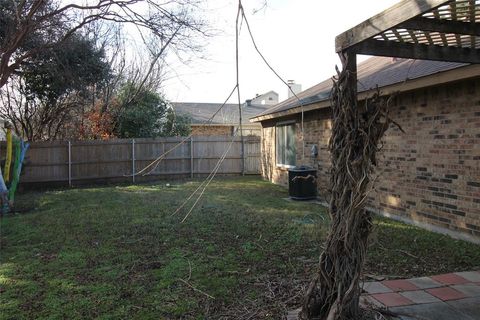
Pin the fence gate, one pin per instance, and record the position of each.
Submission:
(252, 155)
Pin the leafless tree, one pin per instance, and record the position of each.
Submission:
(31, 27)
(171, 23)
(31, 118)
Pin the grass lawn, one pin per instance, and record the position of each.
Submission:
(244, 253)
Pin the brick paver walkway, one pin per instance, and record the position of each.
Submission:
(447, 296)
(451, 296)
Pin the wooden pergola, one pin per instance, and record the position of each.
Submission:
(442, 30)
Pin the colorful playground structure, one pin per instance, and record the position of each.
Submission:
(16, 150)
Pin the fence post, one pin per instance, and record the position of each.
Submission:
(191, 157)
(243, 154)
(69, 163)
(133, 160)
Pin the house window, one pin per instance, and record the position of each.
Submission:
(285, 144)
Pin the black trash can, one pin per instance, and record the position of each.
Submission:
(302, 183)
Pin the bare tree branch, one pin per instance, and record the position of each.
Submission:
(170, 22)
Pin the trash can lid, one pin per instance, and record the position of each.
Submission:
(301, 168)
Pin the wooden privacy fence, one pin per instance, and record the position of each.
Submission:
(80, 162)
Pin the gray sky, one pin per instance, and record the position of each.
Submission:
(296, 37)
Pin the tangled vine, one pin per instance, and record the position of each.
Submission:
(334, 292)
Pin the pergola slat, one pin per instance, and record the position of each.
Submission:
(417, 51)
(413, 36)
(442, 26)
(472, 20)
(447, 30)
(397, 34)
(453, 8)
(436, 14)
(388, 19)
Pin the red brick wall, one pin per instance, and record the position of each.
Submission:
(225, 130)
(202, 130)
(430, 174)
(317, 130)
(269, 168)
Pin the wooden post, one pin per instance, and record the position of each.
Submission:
(69, 163)
(191, 157)
(243, 146)
(133, 160)
(351, 66)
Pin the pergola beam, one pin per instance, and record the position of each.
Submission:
(402, 11)
(417, 51)
(442, 26)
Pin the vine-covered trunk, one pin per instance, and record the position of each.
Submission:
(334, 293)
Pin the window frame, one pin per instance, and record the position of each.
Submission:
(285, 142)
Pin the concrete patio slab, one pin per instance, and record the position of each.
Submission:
(419, 296)
(446, 293)
(470, 290)
(376, 287)
(472, 276)
(400, 285)
(430, 311)
(392, 299)
(425, 282)
(469, 307)
(449, 278)
(369, 302)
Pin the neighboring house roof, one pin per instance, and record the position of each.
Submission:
(266, 94)
(374, 72)
(270, 98)
(200, 113)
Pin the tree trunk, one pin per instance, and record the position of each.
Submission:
(334, 293)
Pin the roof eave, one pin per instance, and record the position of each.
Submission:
(466, 72)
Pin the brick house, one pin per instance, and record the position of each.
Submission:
(226, 121)
(429, 176)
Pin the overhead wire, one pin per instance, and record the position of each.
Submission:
(276, 73)
(237, 33)
(201, 184)
(214, 171)
(205, 182)
(240, 18)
